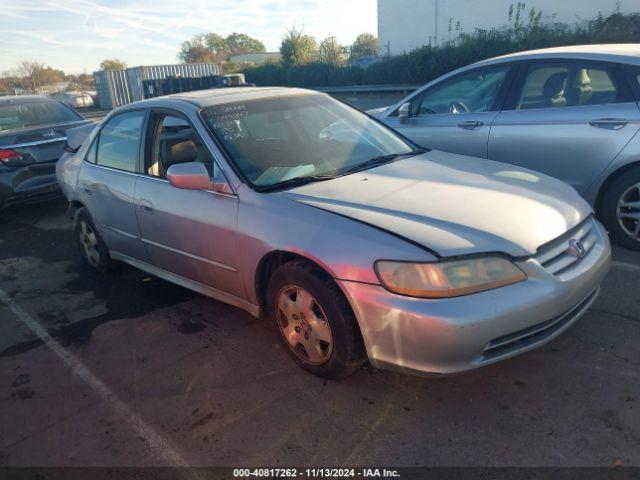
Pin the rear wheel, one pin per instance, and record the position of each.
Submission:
(620, 211)
(315, 321)
(93, 249)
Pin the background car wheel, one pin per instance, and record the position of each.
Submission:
(621, 210)
(315, 321)
(93, 249)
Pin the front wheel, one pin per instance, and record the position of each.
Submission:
(315, 321)
(620, 210)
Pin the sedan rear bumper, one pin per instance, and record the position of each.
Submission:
(447, 336)
(28, 184)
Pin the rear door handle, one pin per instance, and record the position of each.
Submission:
(470, 124)
(609, 123)
(146, 205)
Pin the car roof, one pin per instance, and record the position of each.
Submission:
(615, 52)
(219, 96)
(7, 99)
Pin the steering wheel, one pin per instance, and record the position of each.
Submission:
(458, 107)
(326, 148)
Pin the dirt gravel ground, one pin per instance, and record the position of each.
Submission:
(134, 371)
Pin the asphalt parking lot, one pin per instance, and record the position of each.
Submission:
(125, 369)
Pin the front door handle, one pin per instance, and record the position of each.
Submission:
(470, 124)
(146, 205)
(609, 123)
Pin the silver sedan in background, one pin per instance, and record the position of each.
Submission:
(569, 112)
(356, 243)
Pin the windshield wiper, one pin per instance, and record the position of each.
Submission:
(381, 160)
(296, 182)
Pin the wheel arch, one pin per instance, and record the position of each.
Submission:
(269, 263)
(612, 178)
(72, 209)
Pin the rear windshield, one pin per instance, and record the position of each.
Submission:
(33, 113)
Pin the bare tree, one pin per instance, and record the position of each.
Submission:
(36, 74)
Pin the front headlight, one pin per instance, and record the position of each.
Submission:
(448, 278)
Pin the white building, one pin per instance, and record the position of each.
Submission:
(404, 25)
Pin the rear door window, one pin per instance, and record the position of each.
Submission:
(91, 153)
(119, 141)
(573, 84)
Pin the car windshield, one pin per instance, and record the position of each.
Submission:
(300, 137)
(34, 113)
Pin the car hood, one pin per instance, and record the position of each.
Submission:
(452, 204)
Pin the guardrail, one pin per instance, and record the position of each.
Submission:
(349, 89)
(405, 89)
(90, 114)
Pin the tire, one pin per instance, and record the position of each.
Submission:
(329, 315)
(92, 247)
(624, 230)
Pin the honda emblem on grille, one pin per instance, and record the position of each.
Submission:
(576, 248)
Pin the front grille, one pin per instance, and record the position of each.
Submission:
(556, 257)
(535, 334)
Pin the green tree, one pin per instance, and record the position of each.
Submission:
(297, 48)
(195, 54)
(230, 67)
(112, 64)
(240, 43)
(204, 48)
(331, 52)
(218, 46)
(365, 45)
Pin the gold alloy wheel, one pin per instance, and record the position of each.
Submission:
(89, 244)
(629, 211)
(304, 325)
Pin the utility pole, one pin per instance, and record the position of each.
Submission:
(436, 29)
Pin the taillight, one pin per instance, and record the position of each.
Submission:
(7, 156)
(11, 158)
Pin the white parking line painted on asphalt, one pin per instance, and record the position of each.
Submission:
(629, 267)
(158, 444)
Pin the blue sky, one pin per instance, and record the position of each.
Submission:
(76, 35)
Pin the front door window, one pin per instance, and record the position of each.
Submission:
(471, 92)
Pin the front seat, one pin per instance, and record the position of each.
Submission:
(174, 151)
(553, 90)
(579, 91)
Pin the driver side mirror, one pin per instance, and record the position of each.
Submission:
(404, 112)
(195, 176)
(190, 176)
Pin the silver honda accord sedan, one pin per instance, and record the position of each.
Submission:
(356, 243)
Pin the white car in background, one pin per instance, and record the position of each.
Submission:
(75, 99)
